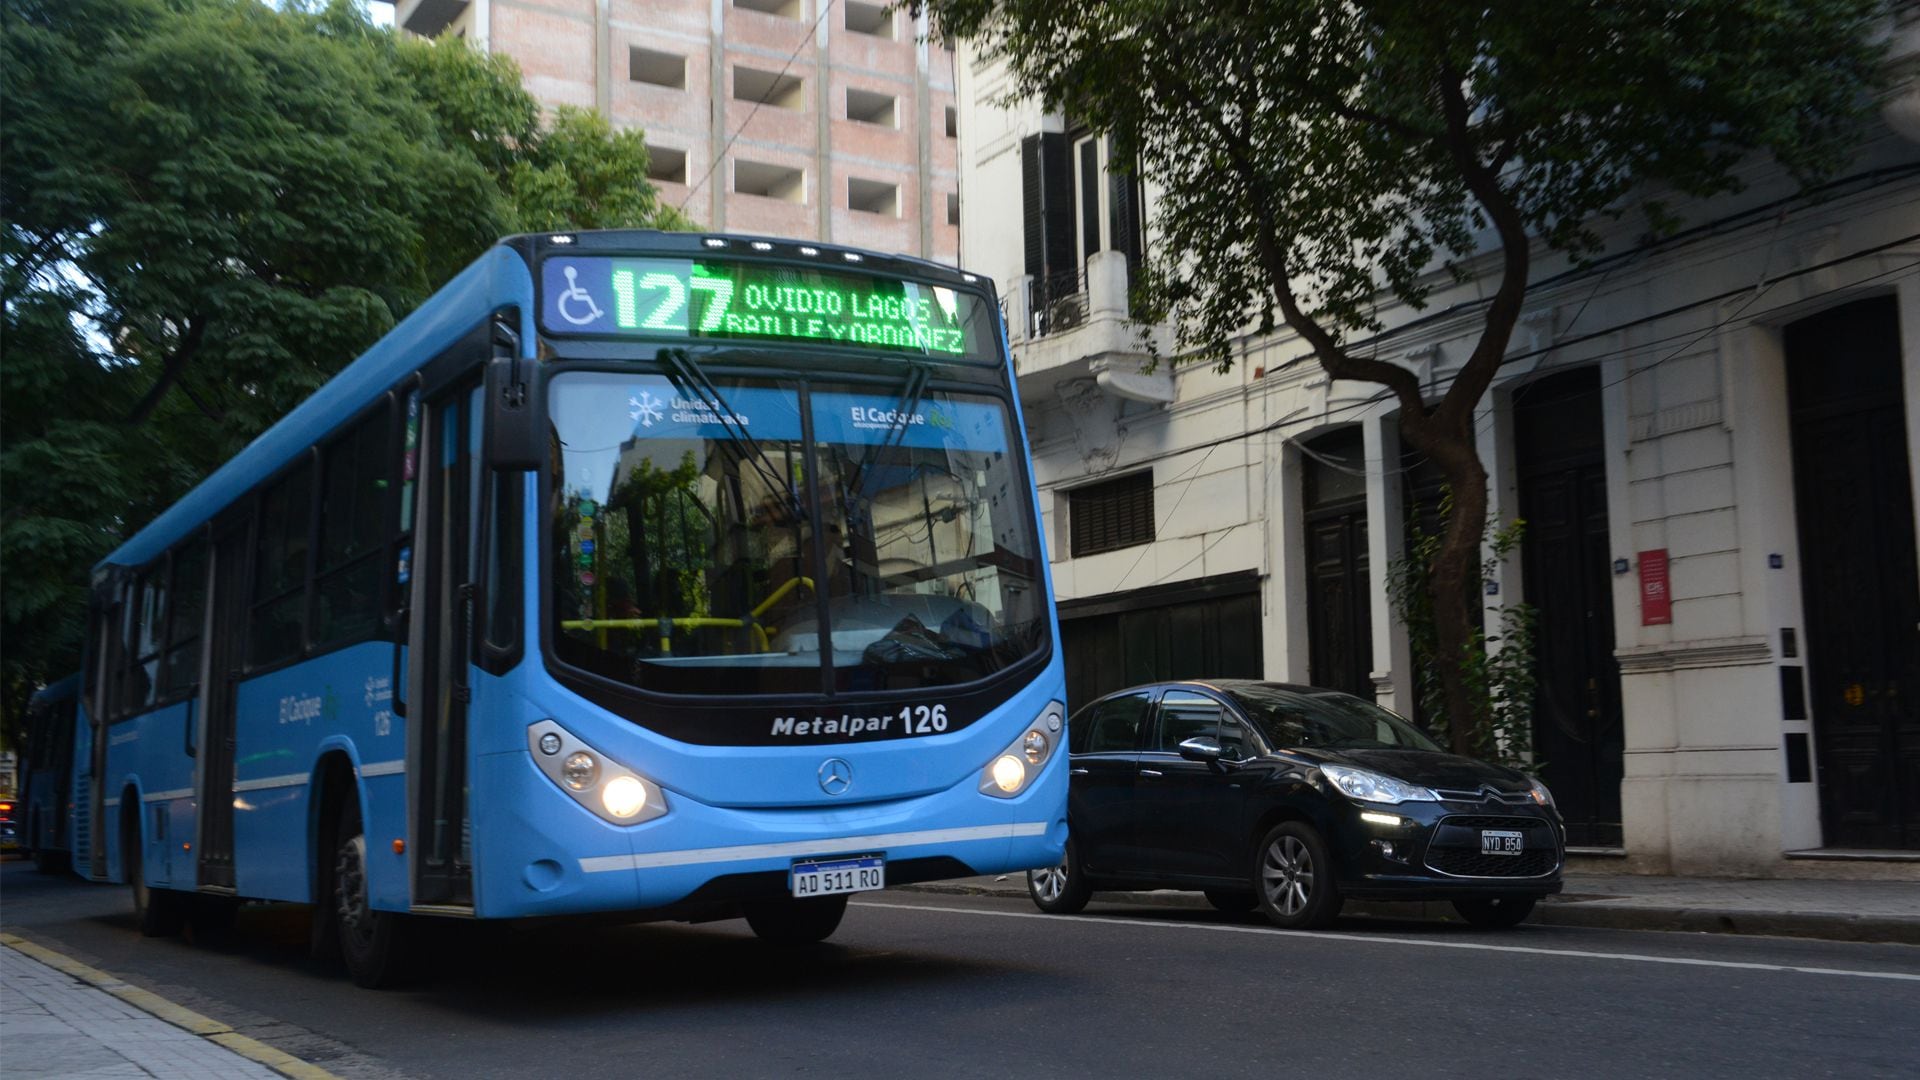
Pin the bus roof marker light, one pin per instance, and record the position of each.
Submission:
(714, 242)
(762, 245)
(852, 256)
(970, 278)
(805, 250)
(560, 238)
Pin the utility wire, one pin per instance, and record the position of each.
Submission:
(812, 31)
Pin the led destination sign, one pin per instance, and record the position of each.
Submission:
(743, 301)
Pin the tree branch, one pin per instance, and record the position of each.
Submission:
(175, 363)
(1516, 253)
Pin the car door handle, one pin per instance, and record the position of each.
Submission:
(1151, 772)
(1077, 772)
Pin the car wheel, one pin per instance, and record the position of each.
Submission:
(1062, 889)
(796, 922)
(376, 945)
(1293, 878)
(1495, 912)
(1232, 901)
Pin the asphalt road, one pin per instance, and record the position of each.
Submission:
(919, 984)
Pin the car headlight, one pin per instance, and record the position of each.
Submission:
(1012, 769)
(1367, 786)
(1541, 795)
(609, 789)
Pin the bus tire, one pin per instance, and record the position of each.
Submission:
(796, 922)
(376, 945)
(157, 912)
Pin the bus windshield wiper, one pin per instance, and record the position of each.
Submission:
(689, 377)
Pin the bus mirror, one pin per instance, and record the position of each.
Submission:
(516, 431)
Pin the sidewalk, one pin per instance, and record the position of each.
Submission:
(1886, 911)
(61, 1018)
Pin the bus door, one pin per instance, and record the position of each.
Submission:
(440, 643)
(225, 639)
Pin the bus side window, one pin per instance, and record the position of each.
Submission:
(352, 516)
(186, 617)
(144, 677)
(280, 569)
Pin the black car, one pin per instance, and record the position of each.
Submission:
(1293, 799)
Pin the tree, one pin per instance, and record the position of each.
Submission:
(1316, 159)
(210, 207)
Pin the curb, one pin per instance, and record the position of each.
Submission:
(178, 1015)
(1565, 910)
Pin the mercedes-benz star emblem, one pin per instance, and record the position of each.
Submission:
(836, 776)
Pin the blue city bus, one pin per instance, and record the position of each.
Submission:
(682, 576)
(47, 792)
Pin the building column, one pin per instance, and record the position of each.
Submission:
(1285, 642)
(1393, 685)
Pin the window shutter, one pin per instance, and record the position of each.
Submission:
(1046, 181)
(1111, 515)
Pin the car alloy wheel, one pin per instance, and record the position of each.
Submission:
(1061, 889)
(1294, 878)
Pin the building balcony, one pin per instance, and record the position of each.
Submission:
(427, 17)
(1075, 326)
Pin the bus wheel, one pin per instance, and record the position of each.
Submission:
(796, 922)
(373, 943)
(158, 912)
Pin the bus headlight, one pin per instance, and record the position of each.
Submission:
(1011, 770)
(624, 796)
(609, 789)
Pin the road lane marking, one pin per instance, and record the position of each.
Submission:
(1473, 946)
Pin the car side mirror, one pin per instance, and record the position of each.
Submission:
(1201, 748)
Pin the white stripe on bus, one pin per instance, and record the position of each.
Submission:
(823, 846)
(384, 768)
(288, 780)
(161, 796)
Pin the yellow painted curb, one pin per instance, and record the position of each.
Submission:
(178, 1015)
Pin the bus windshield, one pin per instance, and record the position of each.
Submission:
(697, 547)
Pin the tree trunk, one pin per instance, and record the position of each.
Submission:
(1454, 580)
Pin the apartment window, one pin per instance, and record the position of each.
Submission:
(868, 107)
(873, 19)
(770, 181)
(873, 197)
(768, 87)
(785, 9)
(1111, 515)
(1108, 216)
(953, 122)
(666, 165)
(657, 68)
(953, 209)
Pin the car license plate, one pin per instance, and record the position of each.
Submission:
(825, 877)
(1496, 842)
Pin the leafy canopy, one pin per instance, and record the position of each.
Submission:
(211, 206)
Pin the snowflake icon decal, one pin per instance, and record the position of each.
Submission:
(645, 408)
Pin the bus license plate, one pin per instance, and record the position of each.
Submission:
(825, 877)
(1500, 843)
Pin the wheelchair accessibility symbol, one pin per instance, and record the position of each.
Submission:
(576, 303)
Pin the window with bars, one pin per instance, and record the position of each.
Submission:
(1112, 514)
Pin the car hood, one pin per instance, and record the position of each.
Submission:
(1429, 769)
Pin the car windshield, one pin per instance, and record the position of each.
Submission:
(1326, 720)
(700, 541)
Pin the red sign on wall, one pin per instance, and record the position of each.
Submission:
(1656, 597)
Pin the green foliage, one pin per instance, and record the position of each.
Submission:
(1498, 667)
(209, 207)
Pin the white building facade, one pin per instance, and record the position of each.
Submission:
(1711, 439)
